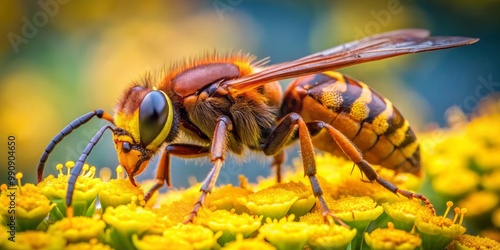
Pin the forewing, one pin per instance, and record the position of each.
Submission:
(368, 49)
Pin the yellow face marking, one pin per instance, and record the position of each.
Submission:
(380, 124)
(360, 109)
(398, 136)
(129, 123)
(130, 159)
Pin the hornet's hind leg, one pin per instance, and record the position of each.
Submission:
(353, 153)
(284, 132)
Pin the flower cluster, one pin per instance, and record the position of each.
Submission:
(463, 165)
(111, 214)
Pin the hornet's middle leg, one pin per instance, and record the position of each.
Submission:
(280, 137)
(217, 157)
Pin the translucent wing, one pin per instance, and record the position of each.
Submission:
(368, 49)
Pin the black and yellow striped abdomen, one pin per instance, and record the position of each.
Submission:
(369, 120)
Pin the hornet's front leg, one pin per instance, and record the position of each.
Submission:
(163, 170)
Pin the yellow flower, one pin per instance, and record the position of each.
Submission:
(125, 221)
(271, 202)
(29, 205)
(5, 234)
(305, 201)
(78, 229)
(438, 231)
(229, 223)
(480, 203)
(85, 193)
(248, 244)
(331, 237)
(190, 194)
(350, 208)
(197, 236)
(286, 233)
(314, 218)
(469, 242)
(159, 242)
(391, 238)
(174, 213)
(118, 192)
(462, 180)
(491, 182)
(36, 240)
(436, 164)
(496, 218)
(348, 180)
(357, 212)
(488, 159)
(403, 213)
(93, 244)
(226, 198)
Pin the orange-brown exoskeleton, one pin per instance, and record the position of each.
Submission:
(228, 102)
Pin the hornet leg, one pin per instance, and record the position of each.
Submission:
(217, 157)
(353, 153)
(281, 136)
(163, 170)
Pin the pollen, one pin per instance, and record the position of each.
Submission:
(175, 212)
(467, 241)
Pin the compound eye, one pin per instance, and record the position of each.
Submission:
(153, 114)
(126, 147)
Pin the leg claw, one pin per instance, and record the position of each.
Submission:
(331, 218)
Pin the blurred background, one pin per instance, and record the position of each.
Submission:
(61, 58)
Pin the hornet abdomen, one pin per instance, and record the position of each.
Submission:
(369, 120)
